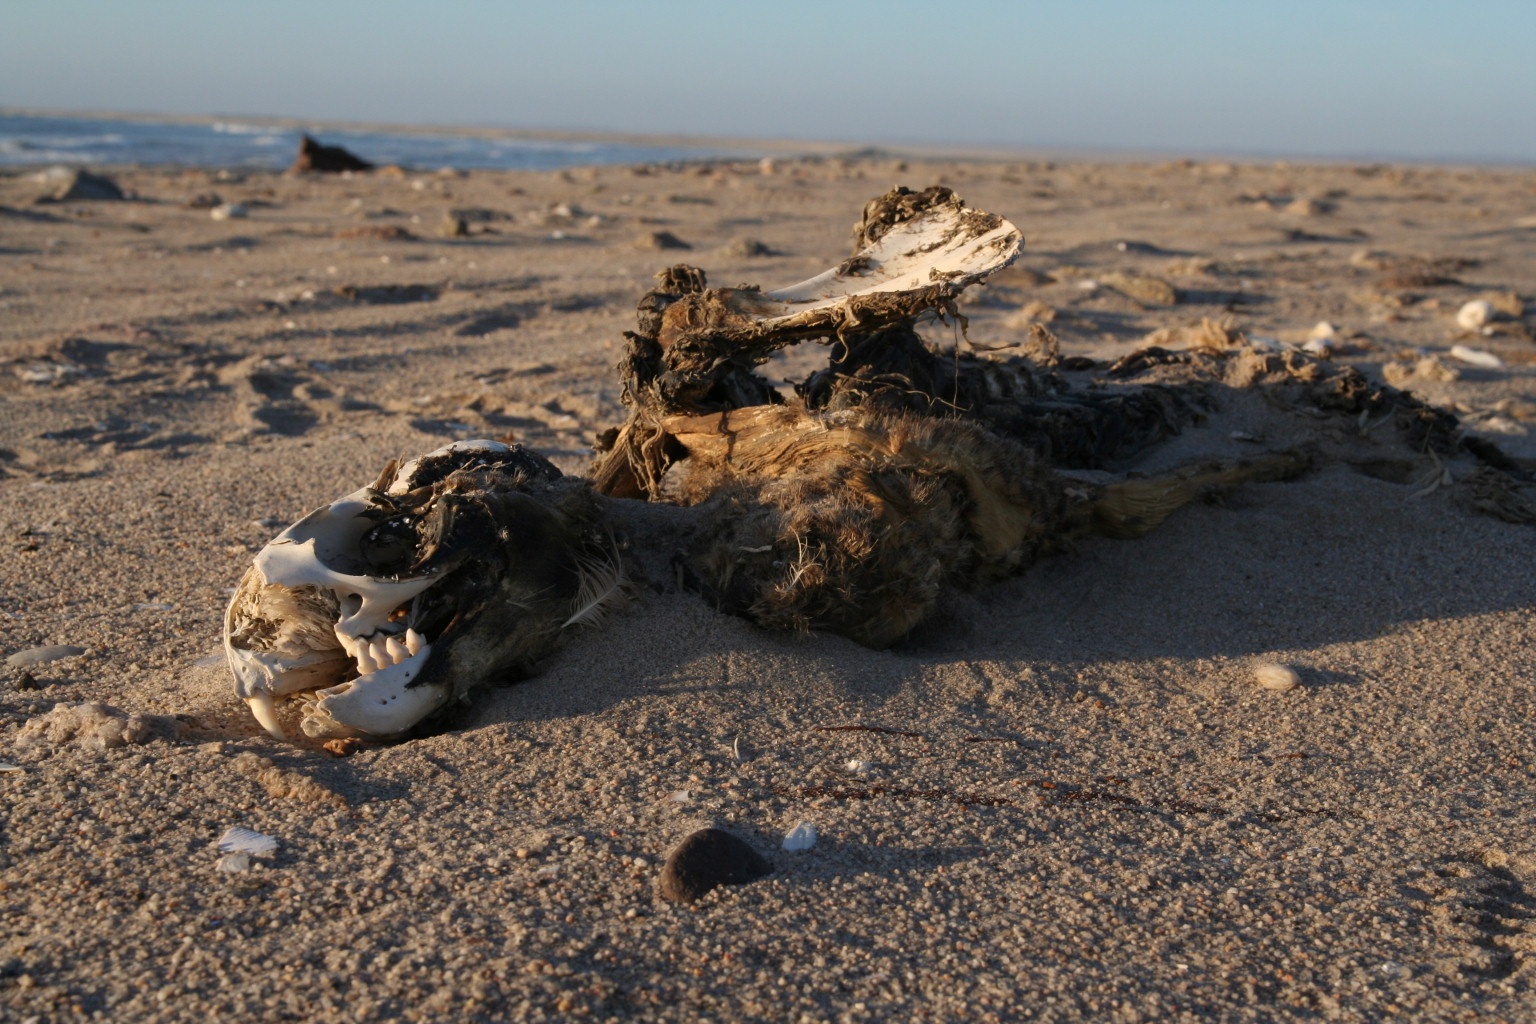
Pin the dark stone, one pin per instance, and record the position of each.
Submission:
(707, 858)
(313, 156)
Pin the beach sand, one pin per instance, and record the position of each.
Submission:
(1074, 802)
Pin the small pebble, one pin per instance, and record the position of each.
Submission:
(233, 863)
(1274, 676)
(1318, 346)
(800, 838)
(1474, 316)
(705, 859)
(43, 655)
(858, 767)
(661, 240)
(229, 211)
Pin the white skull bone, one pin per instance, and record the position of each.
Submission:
(315, 609)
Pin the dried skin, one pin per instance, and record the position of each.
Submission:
(903, 471)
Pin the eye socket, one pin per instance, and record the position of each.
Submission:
(390, 547)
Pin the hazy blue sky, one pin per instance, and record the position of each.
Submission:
(1360, 78)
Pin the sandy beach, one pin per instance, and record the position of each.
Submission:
(1065, 799)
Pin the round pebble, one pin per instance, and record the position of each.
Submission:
(1274, 676)
(1474, 315)
(707, 858)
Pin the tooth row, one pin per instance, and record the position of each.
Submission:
(374, 653)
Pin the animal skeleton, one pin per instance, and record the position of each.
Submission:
(898, 472)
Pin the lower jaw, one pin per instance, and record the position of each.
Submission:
(380, 703)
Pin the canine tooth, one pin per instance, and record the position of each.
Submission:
(265, 711)
(348, 643)
(398, 652)
(414, 641)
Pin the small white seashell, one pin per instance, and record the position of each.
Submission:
(1474, 315)
(1323, 331)
(247, 841)
(1476, 357)
(801, 837)
(233, 863)
(1275, 676)
(10, 769)
(229, 211)
(858, 767)
(1319, 346)
(682, 796)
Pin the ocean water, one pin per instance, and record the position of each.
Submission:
(83, 141)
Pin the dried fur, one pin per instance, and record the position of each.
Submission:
(904, 471)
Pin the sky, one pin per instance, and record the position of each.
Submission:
(1352, 79)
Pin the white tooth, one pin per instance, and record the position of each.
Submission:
(348, 643)
(414, 641)
(365, 662)
(263, 707)
(380, 651)
(397, 650)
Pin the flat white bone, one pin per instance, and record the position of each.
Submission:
(948, 244)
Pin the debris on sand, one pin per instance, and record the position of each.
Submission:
(317, 157)
(800, 838)
(93, 726)
(1271, 675)
(82, 184)
(707, 858)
